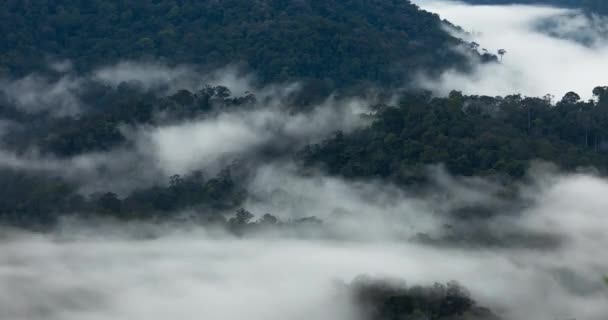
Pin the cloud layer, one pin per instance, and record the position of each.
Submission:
(60, 92)
(105, 270)
(549, 50)
(210, 142)
(126, 271)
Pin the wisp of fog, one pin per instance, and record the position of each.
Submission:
(137, 270)
(547, 259)
(157, 152)
(549, 50)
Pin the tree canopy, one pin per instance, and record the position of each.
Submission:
(471, 135)
(336, 42)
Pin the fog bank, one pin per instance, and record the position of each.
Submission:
(549, 50)
(139, 270)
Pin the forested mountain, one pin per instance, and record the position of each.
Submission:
(336, 42)
(327, 44)
(246, 159)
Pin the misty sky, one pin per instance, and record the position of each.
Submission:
(536, 62)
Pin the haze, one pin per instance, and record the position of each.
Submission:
(540, 255)
(538, 61)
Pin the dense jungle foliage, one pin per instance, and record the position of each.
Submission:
(336, 43)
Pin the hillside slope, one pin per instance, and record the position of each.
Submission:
(341, 42)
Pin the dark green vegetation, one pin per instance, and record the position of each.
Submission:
(327, 45)
(382, 300)
(334, 42)
(471, 135)
(97, 129)
(37, 200)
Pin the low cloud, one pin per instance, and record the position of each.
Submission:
(549, 50)
(138, 270)
(120, 170)
(36, 93)
(105, 271)
(61, 92)
(207, 143)
(153, 153)
(168, 79)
